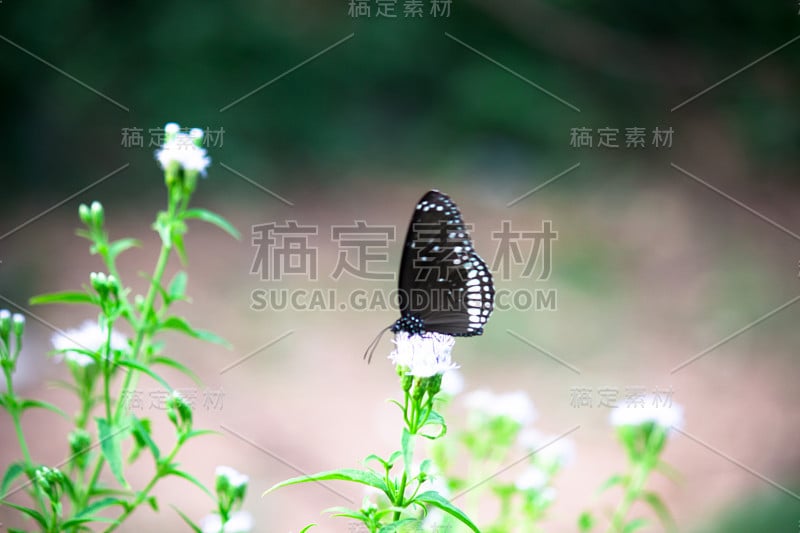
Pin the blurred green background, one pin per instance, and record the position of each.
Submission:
(651, 265)
(400, 94)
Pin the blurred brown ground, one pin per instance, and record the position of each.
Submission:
(645, 280)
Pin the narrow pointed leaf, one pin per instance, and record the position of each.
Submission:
(345, 474)
(67, 297)
(40, 404)
(110, 446)
(435, 499)
(215, 219)
(13, 472)
(117, 247)
(188, 520)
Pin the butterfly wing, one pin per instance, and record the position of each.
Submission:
(443, 281)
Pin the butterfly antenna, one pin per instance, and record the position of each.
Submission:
(374, 345)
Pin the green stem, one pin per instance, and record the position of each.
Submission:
(633, 489)
(16, 417)
(107, 370)
(142, 336)
(401, 494)
(143, 330)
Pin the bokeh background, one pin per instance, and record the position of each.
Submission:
(653, 265)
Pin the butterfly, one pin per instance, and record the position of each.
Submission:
(444, 285)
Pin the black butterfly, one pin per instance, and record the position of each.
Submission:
(444, 286)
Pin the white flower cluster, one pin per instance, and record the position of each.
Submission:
(88, 337)
(549, 449)
(515, 405)
(650, 409)
(234, 477)
(183, 148)
(424, 355)
(239, 522)
(452, 382)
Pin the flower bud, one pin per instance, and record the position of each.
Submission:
(196, 134)
(100, 283)
(112, 283)
(419, 389)
(223, 484)
(18, 323)
(5, 325)
(231, 487)
(171, 131)
(179, 412)
(433, 384)
(51, 481)
(98, 214)
(85, 214)
(406, 380)
(79, 444)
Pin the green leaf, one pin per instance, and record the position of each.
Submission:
(198, 433)
(33, 513)
(435, 419)
(117, 247)
(387, 465)
(110, 446)
(585, 522)
(72, 522)
(616, 479)
(128, 363)
(344, 474)
(177, 287)
(179, 324)
(13, 472)
(167, 361)
(669, 471)
(633, 525)
(215, 219)
(177, 241)
(67, 297)
(190, 478)
(406, 525)
(143, 433)
(309, 526)
(86, 513)
(29, 404)
(655, 501)
(344, 512)
(188, 520)
(440, 502)
(152, 501)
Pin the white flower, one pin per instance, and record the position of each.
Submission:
(514, 405)
(234, 477)
(531, 479)
(423, 355)
(5, 314)
(181, 148)
(652, 408)
(89, 337)
(239, 522)
(549, 449)
(452, 382)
